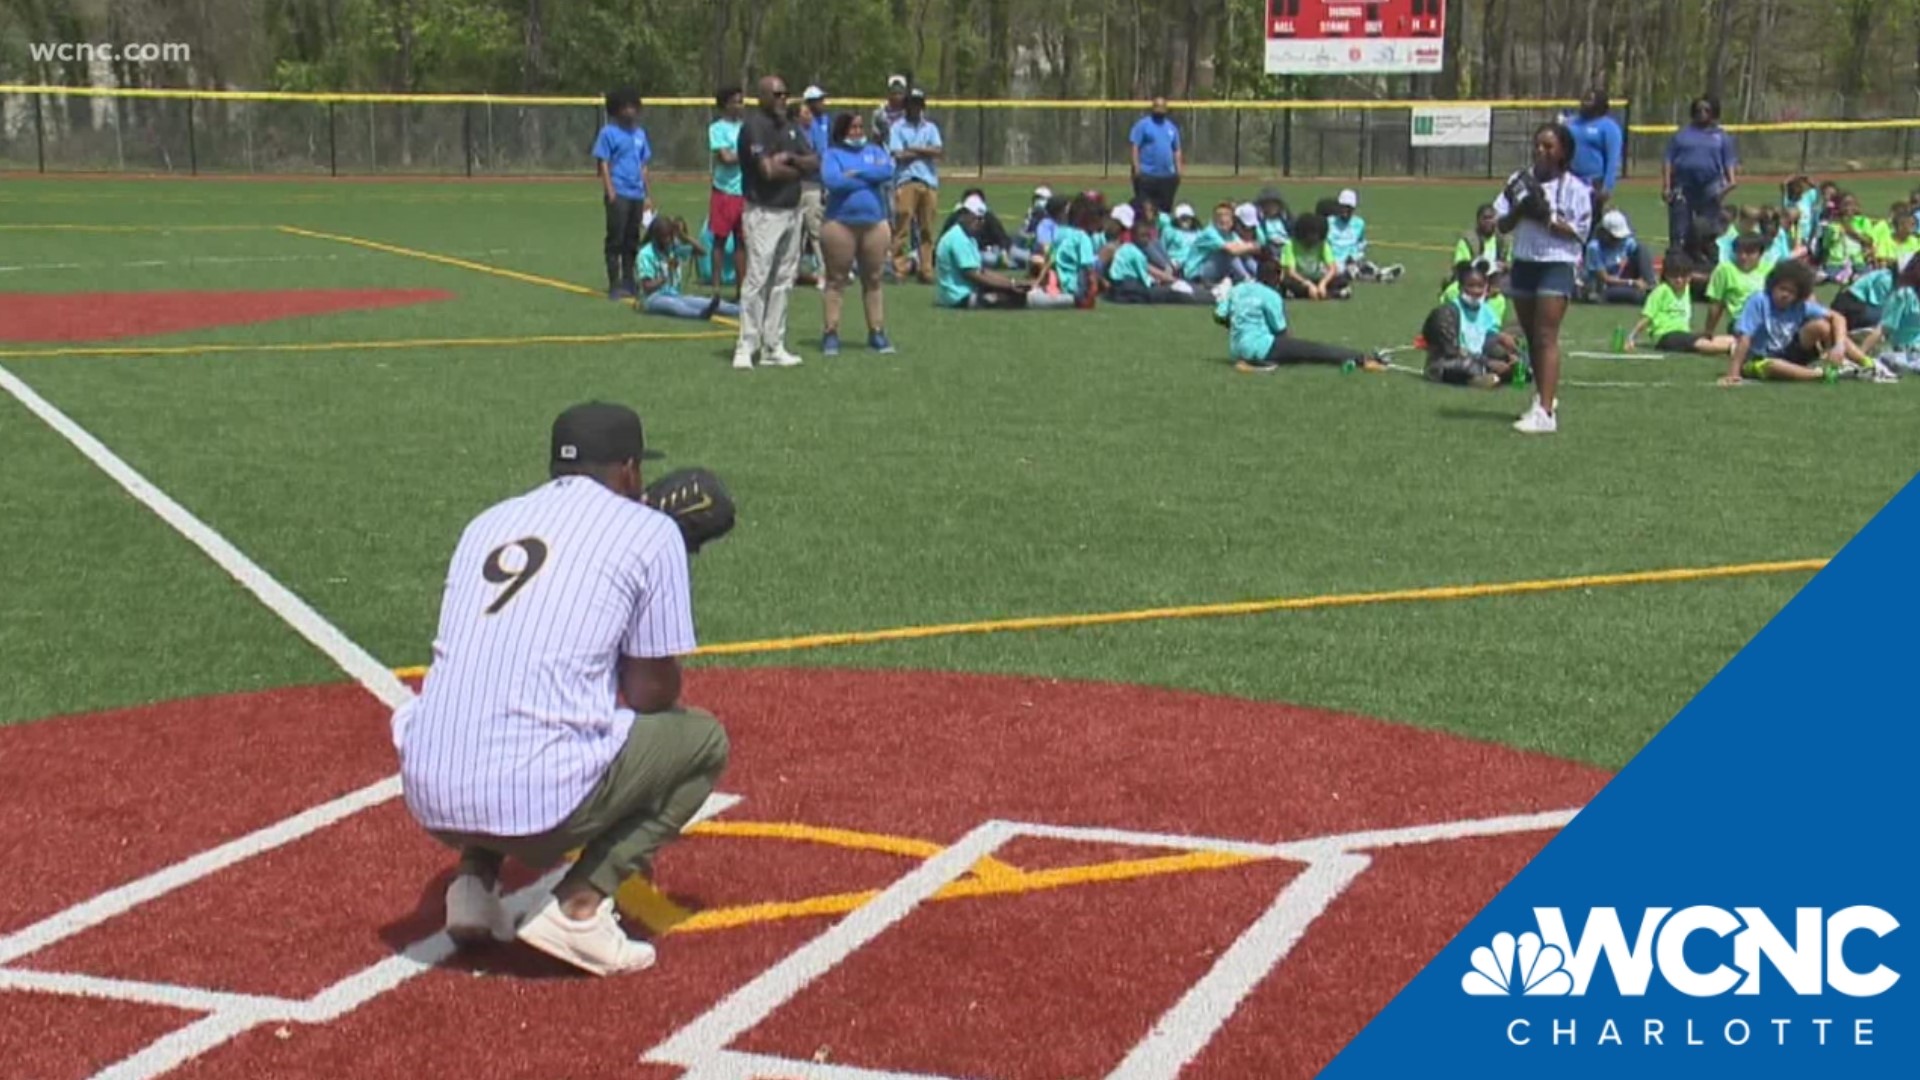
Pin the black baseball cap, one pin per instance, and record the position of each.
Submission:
(595, 433)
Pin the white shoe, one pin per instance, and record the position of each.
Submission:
(475, 915)
(1537, 421)
(780, 357)
(597, 945)
(743, 360)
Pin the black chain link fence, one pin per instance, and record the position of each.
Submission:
(62, 133)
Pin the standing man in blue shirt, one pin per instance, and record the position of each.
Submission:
(1701, 168)
(1158, 159)
(1597, 142)
(622, 153)
(914, 142)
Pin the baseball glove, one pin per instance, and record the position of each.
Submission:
(697, 501)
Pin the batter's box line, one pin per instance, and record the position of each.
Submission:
(1332, 863)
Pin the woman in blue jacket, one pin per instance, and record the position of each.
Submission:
(856, 175)
(1597, 142)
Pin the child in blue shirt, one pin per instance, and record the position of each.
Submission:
(1347, 233)
(660, 269)
(621, 153)
(1784, 334)
(1465, 345)
(1899, 327)
(1255, 316)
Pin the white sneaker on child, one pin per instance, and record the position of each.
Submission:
(780, 357)
(1537, 421)
(597, 945)
(743, 359)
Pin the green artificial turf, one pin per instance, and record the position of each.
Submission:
(1000, 465)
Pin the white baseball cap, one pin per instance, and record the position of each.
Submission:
(813, 93)
(1042, 193)
(975, 205)
(1614, 224)
(1184, 210)
(896, 80)
(1122, 214)
(1349, 197)
(1247, 214)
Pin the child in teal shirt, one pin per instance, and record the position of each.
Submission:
(1255, 316)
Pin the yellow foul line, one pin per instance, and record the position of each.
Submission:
(908, 846)
(1248, 607)
(446, 260)
(1020, 882)
(210, 349)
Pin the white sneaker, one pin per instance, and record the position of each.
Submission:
(743, 360)
(475, 915)
(780, 357)
(597, 945)
(1537, 421)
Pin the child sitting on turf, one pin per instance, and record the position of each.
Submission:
(1073, 259)
(1036, 213)
(1618, 269)
(1746, 222)
(1308, 268)
(1901, 239)
(1347, 234)
(1217, 251)
(1846, 246)
(1465, 345)
(1899, 328)
(1256, 318)
(1179, 235)
(1736, 279)
(1485, 244)
(660, 268)
(1131, 276)
(1861, 301)
(1784, 334)
(1496, 294)
(1275, 219)
(1667, 317)
(1800, 199)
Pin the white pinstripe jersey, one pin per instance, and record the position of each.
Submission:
(518, 718)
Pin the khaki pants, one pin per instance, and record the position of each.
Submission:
(914, 202)
(773, 258)
(845, 246)
(655, 785)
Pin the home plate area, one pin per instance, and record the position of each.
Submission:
(911, 874)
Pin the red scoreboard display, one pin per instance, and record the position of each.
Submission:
(1340, 37)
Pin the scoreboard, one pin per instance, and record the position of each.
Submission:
(1342, 37)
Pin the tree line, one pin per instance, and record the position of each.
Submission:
(1765, 59)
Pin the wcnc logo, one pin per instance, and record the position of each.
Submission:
(1701, 952)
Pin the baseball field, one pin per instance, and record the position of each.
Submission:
(1097, 710)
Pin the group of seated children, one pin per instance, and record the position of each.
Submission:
(1139, 253)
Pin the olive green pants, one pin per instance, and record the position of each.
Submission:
(650, 791)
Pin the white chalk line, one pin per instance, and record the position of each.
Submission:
(1333, 862)
(190, 261)
(1184, 1030)
(230, 1015)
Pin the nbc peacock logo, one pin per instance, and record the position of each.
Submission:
(1523, 965)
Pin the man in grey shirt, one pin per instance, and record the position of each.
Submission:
(775, 157)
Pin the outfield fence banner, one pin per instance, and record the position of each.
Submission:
(1452, 125)
(83, 129)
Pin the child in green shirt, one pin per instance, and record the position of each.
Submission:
(1667, 316)
(1736, 279)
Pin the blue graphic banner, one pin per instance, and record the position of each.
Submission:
(1741, 899)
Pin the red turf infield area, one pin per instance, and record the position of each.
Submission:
(1027, 983)
(108, 316)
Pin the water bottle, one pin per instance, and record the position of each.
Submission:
(1619, 339)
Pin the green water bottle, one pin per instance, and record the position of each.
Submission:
(1522, 372)
(1619, 339)
(1347, 367)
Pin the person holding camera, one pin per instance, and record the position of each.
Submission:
(1549, 211)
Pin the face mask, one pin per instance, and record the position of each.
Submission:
(857, 143)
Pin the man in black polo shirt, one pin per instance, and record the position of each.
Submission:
(775, 155)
